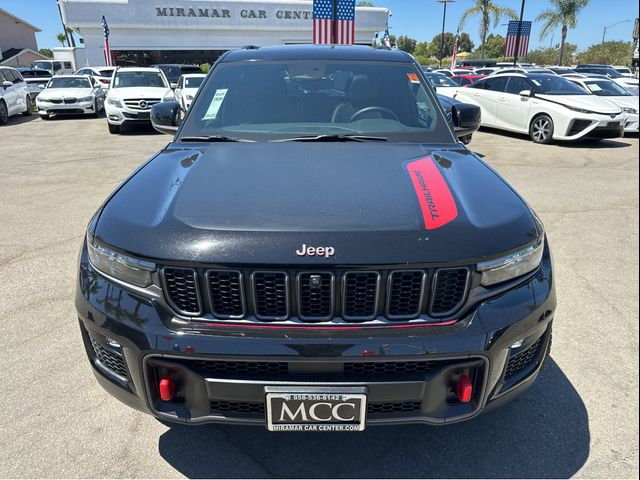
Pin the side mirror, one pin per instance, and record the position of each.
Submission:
(174, 85)
(526, 93)
(164, 117)
(7, 84)
(467, 116)
(41, 87)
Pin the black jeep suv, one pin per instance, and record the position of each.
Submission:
(314, 251)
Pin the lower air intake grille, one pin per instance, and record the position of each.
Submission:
(108, 359)
(247, 368)
(237, 408)
(182, 290)
(381, 368)
(360, 295)
(449, 291)
(524, 359)
(394, 407)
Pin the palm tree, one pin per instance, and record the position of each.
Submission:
(491, 15)
(61, 38)
(564, 13)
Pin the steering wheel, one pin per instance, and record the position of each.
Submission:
(373, 109)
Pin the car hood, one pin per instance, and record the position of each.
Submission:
(138, 92)
(625, 101)
(67, 92)
(373, 203)
(586, 102)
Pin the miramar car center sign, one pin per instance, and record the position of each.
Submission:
(152, 28)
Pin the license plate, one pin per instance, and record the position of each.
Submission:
(316, 409)
(614, 124)
(144, 115)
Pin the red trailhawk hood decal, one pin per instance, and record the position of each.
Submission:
(434, 197)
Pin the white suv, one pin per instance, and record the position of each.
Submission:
(132, 93)
(14, 94)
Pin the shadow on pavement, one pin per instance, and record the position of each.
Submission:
(586, 143)
(542, 434)
(19, 119)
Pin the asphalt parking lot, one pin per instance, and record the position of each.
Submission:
(579, 419)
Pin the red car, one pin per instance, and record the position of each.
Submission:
(466, 79)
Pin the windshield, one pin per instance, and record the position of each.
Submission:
(138, 79)
(440, 80)
(69, 82)
(193, 82)
(632, 90)
(606, 88)
(106, 73)
(276, 101)
(42, 64)
(555, 85)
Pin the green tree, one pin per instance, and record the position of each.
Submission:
(609, 53)
(549, 56)
(563, 13)
(61, 38)
(407, 44)
(490, 14)
(465, 44)
(422, 49)
(46, 52)
(205, 67)
(495, 46)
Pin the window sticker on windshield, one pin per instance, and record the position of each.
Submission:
(594, 87)
(216, 103)
(413, 78)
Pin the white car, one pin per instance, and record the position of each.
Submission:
(622, 70)
(610, 72)
(132, 93)
(101, 74)
(524, 70)
(70, 95)
(14, 95)
(605, 88)
(547, 107)
(442, 83)
(187, 87)
(487, 70)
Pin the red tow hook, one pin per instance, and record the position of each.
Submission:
(464, 389)
(167, 388)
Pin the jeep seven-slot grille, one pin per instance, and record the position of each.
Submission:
(315, 296)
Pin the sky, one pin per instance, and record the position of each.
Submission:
(420, 19)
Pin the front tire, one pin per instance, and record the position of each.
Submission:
(29, 110)
(114, 129)
(4, 113)
(541, 129)
(466, 140)
(44, 116)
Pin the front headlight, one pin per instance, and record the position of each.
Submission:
(630, 110)
(40, 98)
(170, 97)
(511, 266)
(85, 99)
(114, 102)
(579, 110)
(122, 267)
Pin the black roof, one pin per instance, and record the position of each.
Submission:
(10, 52)
(317, 52)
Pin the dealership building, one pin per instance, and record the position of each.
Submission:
(144, 32)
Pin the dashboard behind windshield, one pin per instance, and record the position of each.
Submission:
(276, 100)
(138, 79)
(66, 82)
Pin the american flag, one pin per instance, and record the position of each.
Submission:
(107, 50)
(345, 22)
(322, 21)
(512, 39)
(387, 38)
(454, 57)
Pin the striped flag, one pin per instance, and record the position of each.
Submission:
(345, 22)
(107, 50)
(322, 21)
(512, 39)
(387, 38)
(454, 57)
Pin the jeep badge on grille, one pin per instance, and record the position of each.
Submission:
(325, 252)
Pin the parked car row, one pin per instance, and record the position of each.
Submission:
(549, 107)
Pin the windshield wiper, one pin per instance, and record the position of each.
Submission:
(214, 138)
(334, 138)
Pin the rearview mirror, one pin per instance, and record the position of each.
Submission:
(41, 87)
(164, 117)
(526, 93)
(467, 116)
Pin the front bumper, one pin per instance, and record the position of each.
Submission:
(76, 108)
(632, 124)
(594, 126)
(222, 371)
(120, 116)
